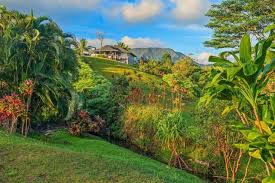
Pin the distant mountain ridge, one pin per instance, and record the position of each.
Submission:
(156, 53)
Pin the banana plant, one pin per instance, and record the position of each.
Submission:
(243, 82)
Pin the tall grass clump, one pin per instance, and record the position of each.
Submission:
(140, 125)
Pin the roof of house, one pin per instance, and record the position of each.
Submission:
(107, 48)
(110, 48)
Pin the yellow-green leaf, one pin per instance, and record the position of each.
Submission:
(253, 135)
(271, 138)
(269, 179)
(242, 146)
(265, 127)
(269, 28)
(256, 154)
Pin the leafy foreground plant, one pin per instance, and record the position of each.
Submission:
(36, 61)
(243, 82)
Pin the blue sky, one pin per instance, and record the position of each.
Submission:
(177, 24)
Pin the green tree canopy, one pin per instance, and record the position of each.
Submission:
(167, 60)
(184, 68)
(231, 19)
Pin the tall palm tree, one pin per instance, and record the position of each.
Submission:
(123, 45)
(82, 46)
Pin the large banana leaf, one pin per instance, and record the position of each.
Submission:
(245, 50)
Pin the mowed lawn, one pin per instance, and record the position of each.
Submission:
(62, 158)
(109, 68)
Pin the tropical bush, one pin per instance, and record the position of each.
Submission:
(185, 75)
(218, 139)
(37, 62)
(101, 98)
(242, 82)
(157, 67)
(82, 123)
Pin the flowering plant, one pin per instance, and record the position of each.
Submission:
(11, 108)
(26, 87)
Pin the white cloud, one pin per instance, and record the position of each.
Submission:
(203, 57)
(141, 42)
(96, 42)
(53, 4)
(141, 11)
(190, 10)
(179, 27)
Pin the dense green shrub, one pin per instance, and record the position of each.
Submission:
(86, 77)
(98, 99)
(101, 97)
(186, 75)
(217, 138)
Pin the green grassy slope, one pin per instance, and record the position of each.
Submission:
(63, 158)
(109, 68)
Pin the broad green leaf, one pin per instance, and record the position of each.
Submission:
(258, 143)
(245, 133)
(220, 61)
(269, 67)
(225, 54)
(262, 49)
(250, 69)
(232, 71)
(269, 28)
(237, 124)
(270, 179)
(242, 146)
(269, 147)
(271, 138)
(216, 79)
(256, 154)
(253, 135)
(245, 49)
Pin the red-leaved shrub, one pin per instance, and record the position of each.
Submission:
(11, 108)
